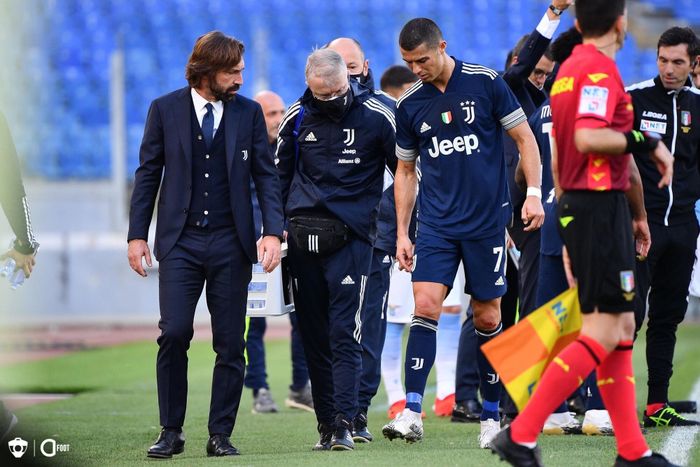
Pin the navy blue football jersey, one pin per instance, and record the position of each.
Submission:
(541, 124)
(458, 136)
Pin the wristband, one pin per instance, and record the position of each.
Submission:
(534, 191)
(638, 142)
(556, 10)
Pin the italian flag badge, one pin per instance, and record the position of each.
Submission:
(446, 117)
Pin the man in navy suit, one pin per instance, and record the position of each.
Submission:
(204, 142)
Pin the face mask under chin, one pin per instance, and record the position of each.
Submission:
(360, 78)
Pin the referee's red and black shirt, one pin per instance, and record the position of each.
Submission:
(589, 93)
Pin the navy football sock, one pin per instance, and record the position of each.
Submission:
(594, 401)
(490, 382)
(420, 356)
(563, 408)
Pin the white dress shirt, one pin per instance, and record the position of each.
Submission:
(200, 109)
(547, 26)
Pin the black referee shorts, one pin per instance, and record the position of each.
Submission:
(597, 230)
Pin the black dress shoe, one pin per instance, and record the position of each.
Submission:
(169, 442)
(219, 445)
(468, 411)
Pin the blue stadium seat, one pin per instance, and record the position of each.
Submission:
(70, 44)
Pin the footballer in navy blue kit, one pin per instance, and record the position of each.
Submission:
(551, 278)
(453, 119)
(460, 150)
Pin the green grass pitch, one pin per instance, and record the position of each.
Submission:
(114, 417)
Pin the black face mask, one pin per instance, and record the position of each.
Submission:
(362, 79)
(335, 108)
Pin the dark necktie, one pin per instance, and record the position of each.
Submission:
(208, 124)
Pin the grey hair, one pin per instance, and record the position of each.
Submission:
(326, 64)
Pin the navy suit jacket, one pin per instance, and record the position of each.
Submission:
(516, 76)
(530, 99)
(166, 153)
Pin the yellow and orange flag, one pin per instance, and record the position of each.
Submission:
(521, 353)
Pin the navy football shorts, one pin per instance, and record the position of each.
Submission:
(437, 260)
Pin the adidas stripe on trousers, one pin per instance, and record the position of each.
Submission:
(374, 325)
(328, 295)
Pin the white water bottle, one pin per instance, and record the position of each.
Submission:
(8, 268)
(17, 279)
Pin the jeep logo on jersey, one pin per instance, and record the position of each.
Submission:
(468, 107)
(466, 143)
(349, 136)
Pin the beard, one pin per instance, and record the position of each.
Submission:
(223, 94)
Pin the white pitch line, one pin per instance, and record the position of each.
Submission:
(679, 443)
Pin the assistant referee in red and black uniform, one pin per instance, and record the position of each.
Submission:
(592, 117)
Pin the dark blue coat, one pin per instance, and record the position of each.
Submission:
(341, 165)
(378, 94)
(386, 217)
(530, 99)
(166, 152)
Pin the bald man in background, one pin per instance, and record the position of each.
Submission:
(358, 67)
(273, 110)
(256, 375)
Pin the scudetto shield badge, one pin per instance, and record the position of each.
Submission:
(627, 281)
(685, 118)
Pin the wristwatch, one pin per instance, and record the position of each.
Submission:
(556, 10)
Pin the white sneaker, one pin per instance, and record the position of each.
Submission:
(562, 424)
(489, 430)
(597, 422)
(407, 425)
